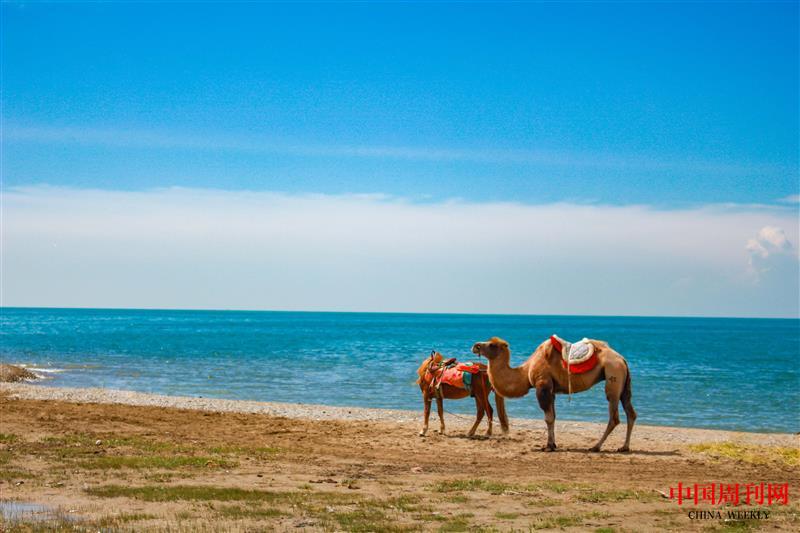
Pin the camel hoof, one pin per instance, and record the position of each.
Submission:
(549, 448)
(624, 449)
(422, 433)
(594, 449)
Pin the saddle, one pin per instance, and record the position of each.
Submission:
(455, 374)
(578, 357)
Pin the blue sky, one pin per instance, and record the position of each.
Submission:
(668, 107)
(620, 103)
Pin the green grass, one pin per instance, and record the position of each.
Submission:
(557, 522)
(563, 521)
(8, 438)
(115, 462)
(603, 496)
(460, 485)
(734, 526)
(506, 516)
(236, 512)
(455, 524)
(430, 517)
(13, 473)
(123, 518)
(405, 504)
(605, 530)
(159, 493)
(261, 452)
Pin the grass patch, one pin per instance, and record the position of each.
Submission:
(236, 512)
(158, 493)
(12, 474)
(460, 485)
(603, 496)
(557, 522)
(8, 438)
(756, 455)
(552, 486)
(405, 504)
(734, 526)
(365, 519)
(563, 521)
(506, 516)
(605, 530)
(543, 502)
(155, 493)
(258, 451)
(431, 517)
(115, 462)
(124, 518)
(455, 524)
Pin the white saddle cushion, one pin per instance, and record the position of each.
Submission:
(577, 352)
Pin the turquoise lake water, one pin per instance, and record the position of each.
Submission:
(739, 374)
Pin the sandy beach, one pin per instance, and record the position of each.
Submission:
(133, 461)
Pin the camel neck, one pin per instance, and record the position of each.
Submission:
(509, 382)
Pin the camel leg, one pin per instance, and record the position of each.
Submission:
(501, 412)
(547, 401)
(612, 394)
(427, 415)
(489, 412)
(630, 414)
(478, 417)
(440, 410)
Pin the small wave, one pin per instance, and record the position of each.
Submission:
(37, 369)
(42, 372)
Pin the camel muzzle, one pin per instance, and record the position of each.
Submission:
(476, 348)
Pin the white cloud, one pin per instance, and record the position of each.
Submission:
(193, 248)
(791, 199)
(770, 249)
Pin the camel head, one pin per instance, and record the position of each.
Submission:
(492, 348)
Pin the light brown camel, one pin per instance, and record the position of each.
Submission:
(481, 387)
(544, 371)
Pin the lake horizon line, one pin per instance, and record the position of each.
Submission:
(399, 313)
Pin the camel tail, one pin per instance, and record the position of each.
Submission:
(626, 390)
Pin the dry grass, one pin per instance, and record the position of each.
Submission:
(756, 455)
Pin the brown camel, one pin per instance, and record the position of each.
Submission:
(544, 371)
(428, 373)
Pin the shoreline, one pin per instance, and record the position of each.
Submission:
(316, 412)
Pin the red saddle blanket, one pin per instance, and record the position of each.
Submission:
(455, 375)
(580, 356)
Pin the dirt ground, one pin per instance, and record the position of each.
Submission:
(120, 467)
